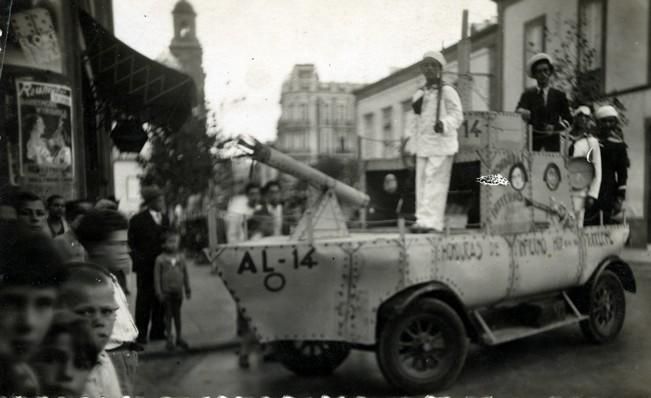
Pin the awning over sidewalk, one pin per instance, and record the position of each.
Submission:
(134, 83)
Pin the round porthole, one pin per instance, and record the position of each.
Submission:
(552, 176)
(518, 177)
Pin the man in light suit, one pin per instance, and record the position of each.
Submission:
(145, 239)
(438, 115)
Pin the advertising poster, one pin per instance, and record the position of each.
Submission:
(45, 134)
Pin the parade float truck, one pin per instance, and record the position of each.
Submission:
(419, 300)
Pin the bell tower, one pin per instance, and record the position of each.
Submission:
(186, 47)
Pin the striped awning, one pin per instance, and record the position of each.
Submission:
(134, 83)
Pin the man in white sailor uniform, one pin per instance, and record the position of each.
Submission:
(585, 145)
(438, 115)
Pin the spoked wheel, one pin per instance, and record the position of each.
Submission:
(424, 349)
(606, 308)
(311, 358)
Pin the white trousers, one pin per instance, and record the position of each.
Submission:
(432, 184)
(578, 202)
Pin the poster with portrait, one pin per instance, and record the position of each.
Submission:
(45, 133)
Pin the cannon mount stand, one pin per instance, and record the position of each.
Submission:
(322, 219)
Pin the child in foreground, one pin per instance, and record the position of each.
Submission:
(87, 291)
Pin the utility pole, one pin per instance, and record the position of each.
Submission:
(464, 82)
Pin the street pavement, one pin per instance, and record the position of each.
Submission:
(558, 363)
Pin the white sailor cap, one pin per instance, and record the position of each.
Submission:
(437, 56)
(582, 110)
(537, 58)
(606, 111)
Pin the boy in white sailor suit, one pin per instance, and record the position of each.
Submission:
(434, 142)
(585, 145)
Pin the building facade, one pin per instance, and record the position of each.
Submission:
(49, 145)
(617, 33)
(71, 91)
(317, 118)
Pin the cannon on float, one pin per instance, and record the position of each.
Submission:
(419, 300)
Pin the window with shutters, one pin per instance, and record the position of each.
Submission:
(534, 43)
(592, 29)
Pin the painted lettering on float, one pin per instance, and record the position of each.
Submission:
(534, 246)
(599, 239)
(503, 201)
(458, 251)
(275, 281)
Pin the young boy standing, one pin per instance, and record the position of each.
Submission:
(585, 145)
(170, 280)
(104, 234)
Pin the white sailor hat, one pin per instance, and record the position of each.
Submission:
(582, 110)
(606, 111)
(437, 56)
(537, 58)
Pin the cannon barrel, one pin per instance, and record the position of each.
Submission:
(278, 160)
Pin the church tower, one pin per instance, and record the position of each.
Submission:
(185, 47)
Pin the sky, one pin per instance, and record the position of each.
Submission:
(250, 46)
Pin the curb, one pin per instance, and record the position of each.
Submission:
(642, 258)
(200, 349)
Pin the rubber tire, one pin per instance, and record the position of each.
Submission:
(455, 334)
(590, 327)
(291, 356)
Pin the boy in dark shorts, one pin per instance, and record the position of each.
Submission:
(170, 281)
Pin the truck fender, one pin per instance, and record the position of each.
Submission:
(396, 304)
(620, 268)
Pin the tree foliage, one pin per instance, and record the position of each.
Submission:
(578, 69)
(180, 161)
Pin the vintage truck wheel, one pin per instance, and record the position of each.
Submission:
(606, 308)
(423, 350)
(311, 358)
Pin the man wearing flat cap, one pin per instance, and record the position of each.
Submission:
(545, 108)
(438, 115)
(145, 239)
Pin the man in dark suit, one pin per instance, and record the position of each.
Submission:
(145, 239)
(545, 108)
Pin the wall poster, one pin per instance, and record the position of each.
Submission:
(44, 135)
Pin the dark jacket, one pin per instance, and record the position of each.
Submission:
(542, 114)
(614, 172)
(556, 108)
(146, 239)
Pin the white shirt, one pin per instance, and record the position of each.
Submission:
(102, 380)
(277, 214)
(583, 146)
(158, 219)
(425, 141)
(545, 93)
(124, 328)
(237, 214)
